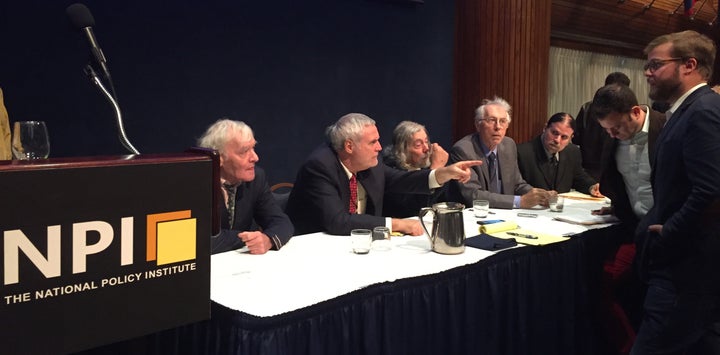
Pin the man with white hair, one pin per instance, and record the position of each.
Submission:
(249, 204)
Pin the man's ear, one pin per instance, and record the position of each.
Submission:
(690, 64)
(348, 146)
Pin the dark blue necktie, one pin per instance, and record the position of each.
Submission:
(492, 168)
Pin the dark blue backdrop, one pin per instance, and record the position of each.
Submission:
(288, 68)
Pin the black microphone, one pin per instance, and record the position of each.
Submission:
(83, 20)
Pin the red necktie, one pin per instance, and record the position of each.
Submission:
(353, 194)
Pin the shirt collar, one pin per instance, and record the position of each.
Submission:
(646, 124)
(682, 98)
(347, 172)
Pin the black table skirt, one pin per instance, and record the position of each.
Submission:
(531, 300)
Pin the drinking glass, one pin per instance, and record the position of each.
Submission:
(30, 140)
(481, 208)
(361, 240)
(557, 203)
(381, 239)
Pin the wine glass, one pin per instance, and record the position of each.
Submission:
(30, 140)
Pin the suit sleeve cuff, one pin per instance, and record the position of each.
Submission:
(516, 202)
(432, 181)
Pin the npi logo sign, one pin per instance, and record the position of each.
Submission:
(170, 238)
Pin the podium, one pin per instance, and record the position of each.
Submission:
(102, 249)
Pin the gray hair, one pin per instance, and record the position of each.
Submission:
(496, 100)
(350, 127)
(222, 131)
(402, 138)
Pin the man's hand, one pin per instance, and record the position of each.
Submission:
(535, 197)
(407, 226)
(438, 156)
(257, 242)
(595, 191)
(459, 171)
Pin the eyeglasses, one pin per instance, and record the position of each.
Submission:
(502, 122)
(656, 64)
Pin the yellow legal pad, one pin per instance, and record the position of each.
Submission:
(501, 230)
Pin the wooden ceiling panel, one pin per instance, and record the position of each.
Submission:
(625, 27)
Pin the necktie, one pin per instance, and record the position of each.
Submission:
(552, 171)
(492, 168)
(353, 194)
(231, 190)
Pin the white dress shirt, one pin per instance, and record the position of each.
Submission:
(633, 163)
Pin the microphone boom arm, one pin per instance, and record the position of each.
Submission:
(121, 129)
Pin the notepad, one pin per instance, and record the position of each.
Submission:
(575, 195)
(585, 218)
(497, 227)
(501, 229)
(542, 238)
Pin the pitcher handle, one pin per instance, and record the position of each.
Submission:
(423, 212)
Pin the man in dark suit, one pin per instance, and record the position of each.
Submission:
(589, 136)
(249, 204)
(412, 150)
(498, 179)
(678, 240)
(626, 165)
(341, 186)
(549, 162)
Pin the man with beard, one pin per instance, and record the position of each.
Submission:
(412, 150)
(678, 240)
(626, 165)
(589, 136)
(549, 162)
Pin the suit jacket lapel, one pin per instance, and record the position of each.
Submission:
(704, 90)
(541, 161)
(657, 121)
(368, 182)
(482, 170)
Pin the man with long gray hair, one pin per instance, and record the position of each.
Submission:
(341, 186)
(412, 150)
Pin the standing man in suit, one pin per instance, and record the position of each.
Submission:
(341, 186)
(249, 204)
(589, 136)
(627, 161)
(678, 240)
(549, 162)
(498, 179)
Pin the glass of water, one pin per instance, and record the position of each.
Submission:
(30, 140)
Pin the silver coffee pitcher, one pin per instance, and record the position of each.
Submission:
(448, 229)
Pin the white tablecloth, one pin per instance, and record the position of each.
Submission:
(317, 267)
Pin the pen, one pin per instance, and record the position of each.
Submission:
(528, 236)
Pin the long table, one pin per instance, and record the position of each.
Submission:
(316, 297)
